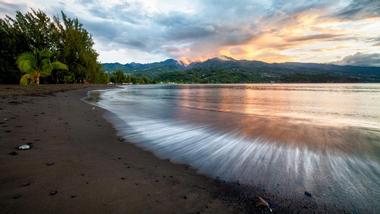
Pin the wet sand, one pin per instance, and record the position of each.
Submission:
(78, 164)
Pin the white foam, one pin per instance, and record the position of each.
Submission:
(330, 176)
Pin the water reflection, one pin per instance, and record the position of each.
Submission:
(288, 138)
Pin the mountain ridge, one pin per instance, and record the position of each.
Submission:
(218, 69)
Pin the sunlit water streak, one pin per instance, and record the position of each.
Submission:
(321, 138)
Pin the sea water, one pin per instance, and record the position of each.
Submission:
(287, 138)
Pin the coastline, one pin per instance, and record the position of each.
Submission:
(78, 164)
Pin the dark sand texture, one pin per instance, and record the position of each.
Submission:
(78, 165)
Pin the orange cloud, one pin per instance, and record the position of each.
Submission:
(306, 36)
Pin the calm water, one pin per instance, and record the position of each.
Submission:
(287, 138)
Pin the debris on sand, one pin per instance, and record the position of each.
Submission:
(26, 184)
(13, 153)
(50, 163)
(261, 203)
(308, 194)
(54, 192)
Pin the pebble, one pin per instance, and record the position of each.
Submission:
(54, 192)
(50, 164)
(308, 194)
(17, 196)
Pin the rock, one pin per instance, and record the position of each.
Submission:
(13, 153)
(17, 196)
(308, 194)
(24, 147)
(26, 184)
(54, 192)
(50, 164)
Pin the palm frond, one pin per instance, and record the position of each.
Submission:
(26, 62)
(57, 65)
(44, 53)
(25, 79)
(46, 67)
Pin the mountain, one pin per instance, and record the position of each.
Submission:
(228, 70)
(149, 69)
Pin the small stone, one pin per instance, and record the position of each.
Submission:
(13, 153)
(54, 192)
(17, 196)
(24, 147)
(26, 184)
(50, 164)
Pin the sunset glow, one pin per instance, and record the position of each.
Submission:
(270, 31)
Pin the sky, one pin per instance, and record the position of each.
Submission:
(320, 31)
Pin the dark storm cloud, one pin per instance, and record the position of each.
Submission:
(179, 26)
(361, 59)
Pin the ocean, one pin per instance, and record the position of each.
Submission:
(286, 138)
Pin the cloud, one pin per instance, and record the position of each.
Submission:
(374, 40)
(270, 30)
(9, 8)
(361, 59)
(313, 37)
(360, 9)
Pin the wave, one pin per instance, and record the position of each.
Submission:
(331, 176)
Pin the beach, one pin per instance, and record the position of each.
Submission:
(78, 164)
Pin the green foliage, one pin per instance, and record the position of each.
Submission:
(61, 45)
(37, 64)
(26, 79)
(118, 76)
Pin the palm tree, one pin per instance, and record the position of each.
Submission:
(37, 64)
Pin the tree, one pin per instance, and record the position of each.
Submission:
(75, 48)
(118, 76)
(65, 39)
(37, 64)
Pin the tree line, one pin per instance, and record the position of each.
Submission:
(59, 48)
(119, 76)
